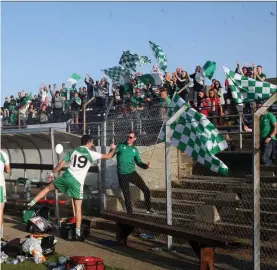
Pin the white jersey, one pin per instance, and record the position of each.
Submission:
(80, 160)
(4, 160)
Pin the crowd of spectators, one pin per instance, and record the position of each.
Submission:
(61, 105)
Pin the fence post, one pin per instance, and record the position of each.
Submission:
(84, 119)
(102, 184)
(168, 185)
(54, 165)
(256, 190)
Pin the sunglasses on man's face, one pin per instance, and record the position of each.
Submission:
(131, 137)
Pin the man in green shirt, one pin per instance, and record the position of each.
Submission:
(127, 157)
(268, 130)
(258, 74)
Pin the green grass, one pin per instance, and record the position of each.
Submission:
(29, 265)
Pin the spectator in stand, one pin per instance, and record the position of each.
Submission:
(75, 106)
(32, 114)
(137, 101)
(58, 107)
(19, 100)
(164, 102)
(6, 107)
(197, 87)
(219, 92)
(214, 107)
(258, 74)
(83, 94)
(64, 91)
(90, 86)
(12, 101)
(35, 101)
(72, 91)
(43, 93)
(243, 71)
(182, 81)
(203, 106)
(43, 115)
(66, 105)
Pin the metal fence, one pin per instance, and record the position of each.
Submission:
(234, 207)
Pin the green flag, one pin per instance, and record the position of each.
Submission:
(153, 78)
(159, 55)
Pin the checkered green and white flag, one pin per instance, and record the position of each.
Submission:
(143, 60)
(159, 55)
(129, 60)
(140, 84)
(74, 78)
(116, 73)
(246, 89)
(195, 135)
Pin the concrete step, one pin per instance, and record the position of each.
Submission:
(178, 206)
(185, 194)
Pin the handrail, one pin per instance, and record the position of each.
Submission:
(84, 114)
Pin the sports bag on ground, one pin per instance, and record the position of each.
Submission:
(38, 225)
(88, 263)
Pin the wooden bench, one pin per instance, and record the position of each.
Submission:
(203, 244)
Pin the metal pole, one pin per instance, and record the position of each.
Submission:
(256, 190)
(54, 165)
(102, 187)
(168, 186)
(99, 134)
(240, 131)
(84, 119)
(113, 131)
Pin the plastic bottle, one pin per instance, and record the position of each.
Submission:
(63, 260)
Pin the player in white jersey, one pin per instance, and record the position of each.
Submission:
(72, 181)
(4, 167)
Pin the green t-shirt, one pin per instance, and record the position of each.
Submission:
(262, 75)
(63, 92)
(165, 102)
(13, 118)
(266, 125)
(128, 88)
(137, 101)
(127, 156)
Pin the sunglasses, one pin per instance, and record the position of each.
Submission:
(130, 137)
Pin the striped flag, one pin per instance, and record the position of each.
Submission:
(246, 89)
(159, 55)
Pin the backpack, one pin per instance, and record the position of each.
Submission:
(88, 263)
(68, 228)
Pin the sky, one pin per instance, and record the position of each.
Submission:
(49, 41)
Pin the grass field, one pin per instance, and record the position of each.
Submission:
(31, 265)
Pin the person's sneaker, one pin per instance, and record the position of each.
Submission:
(151, 211)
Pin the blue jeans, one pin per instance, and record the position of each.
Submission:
(266, 152)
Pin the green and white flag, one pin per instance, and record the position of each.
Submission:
(116, 74)
(74, 78)
(159, 55)
(207, 71)
(140, 84)
(154, 78)
(195, 135)
(143, 60)
(246, 89)
(129, 60)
